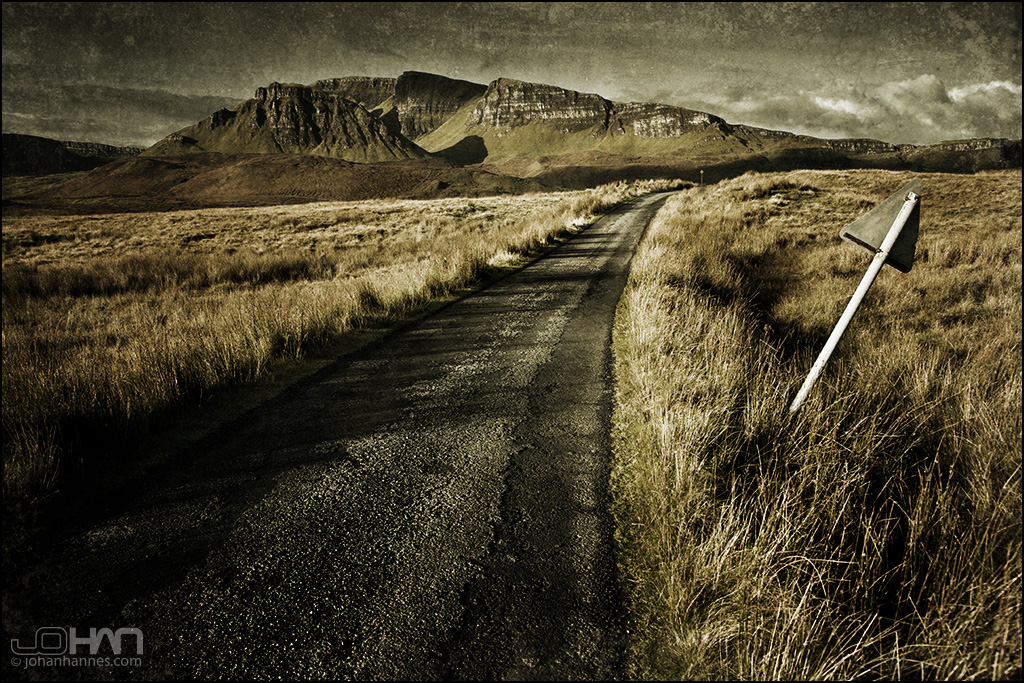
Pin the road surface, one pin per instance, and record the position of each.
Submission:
(433, 507)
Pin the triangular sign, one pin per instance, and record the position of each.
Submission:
(869, 230)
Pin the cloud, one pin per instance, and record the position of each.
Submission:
(919, 111)
(907, 97)
(842, 106)
(939, 112)
(998, 89)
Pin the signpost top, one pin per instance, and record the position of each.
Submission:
(869, 230)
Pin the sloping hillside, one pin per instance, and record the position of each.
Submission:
(559, 136)
(149, 183)
(33, 155)
(367, 137)
(293, 119)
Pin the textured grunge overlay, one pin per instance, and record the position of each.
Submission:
(905, 73)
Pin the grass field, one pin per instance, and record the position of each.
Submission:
(111, 323)
(874, 534)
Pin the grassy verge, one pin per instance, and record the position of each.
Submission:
(876, 533)
(113, 322)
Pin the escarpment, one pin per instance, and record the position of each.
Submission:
(425, 101)
(371, 93)
(660, 120)
(509, 103)
(320, 120)
(530, 126)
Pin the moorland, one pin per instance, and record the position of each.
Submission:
(875, 533)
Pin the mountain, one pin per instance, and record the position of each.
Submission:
(32, 155)
(294, 119)
(425, 101)
(428, 135)
(558, 136)
(550, 133)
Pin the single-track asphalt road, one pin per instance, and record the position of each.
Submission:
(432, 507)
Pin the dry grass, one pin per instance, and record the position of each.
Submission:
(876, 533)
(112, 322)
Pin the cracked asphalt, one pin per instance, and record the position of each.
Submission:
(432, 507)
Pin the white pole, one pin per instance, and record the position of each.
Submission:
(869, 277)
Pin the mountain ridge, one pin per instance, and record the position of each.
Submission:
(419, 115)
(36, 155)
(289, 118)
(438, 136)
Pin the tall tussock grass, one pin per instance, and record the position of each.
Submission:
(113, 323)
(876, 533)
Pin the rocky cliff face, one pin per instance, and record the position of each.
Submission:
(425, 101)
(100, 151)
(661, 120)
(297, 119)
(300, 117)
(371, 93)
(862, 146)
(376, 119)
(967, 156)
(509, 103)
(974, 145)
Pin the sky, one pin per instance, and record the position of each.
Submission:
(905, 73)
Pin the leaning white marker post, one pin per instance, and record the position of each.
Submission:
(896, 248)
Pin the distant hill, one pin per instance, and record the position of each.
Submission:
(198, 180)
(294, 119)
(542, 131)
(506, 136)
(32, 155)
(525, 129)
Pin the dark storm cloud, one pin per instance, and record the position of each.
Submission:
(904, 72)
